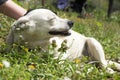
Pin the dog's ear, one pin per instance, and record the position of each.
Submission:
(17, 25)
(20, 23)
(24, 23)
(10, 38)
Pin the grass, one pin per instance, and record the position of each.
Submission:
(35, 65)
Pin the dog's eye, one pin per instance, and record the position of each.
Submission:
(51, 21)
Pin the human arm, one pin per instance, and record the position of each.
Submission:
(12, 10)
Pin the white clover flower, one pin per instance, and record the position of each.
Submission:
(90, 70)
(6, 63)
(66, 78)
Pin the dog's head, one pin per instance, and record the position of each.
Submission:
(38, 24)
(43, 21)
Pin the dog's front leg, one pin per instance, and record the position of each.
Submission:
(96, 51)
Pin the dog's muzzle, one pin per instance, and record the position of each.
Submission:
(63, 33)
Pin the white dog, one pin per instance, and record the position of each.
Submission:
(42, 27)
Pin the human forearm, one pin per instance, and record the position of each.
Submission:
(12, 10)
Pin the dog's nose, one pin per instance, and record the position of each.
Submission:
(70, 23)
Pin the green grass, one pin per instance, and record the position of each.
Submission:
(35, 65)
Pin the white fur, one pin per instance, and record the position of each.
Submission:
(34, 28)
